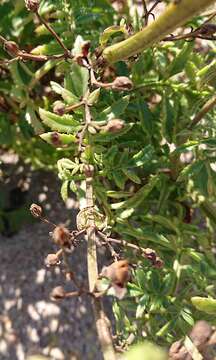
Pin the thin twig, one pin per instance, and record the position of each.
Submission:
(146, 252)
(85, 127)
(50, 29)
(209, 105)
(74, 106)
(146, 14)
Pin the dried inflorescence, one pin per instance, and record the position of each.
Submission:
(151, 256)
(62, 236)
(32, 5)
(36, 210)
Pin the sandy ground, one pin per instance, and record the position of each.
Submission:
(30, 323)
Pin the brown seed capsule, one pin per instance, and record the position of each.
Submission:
(36, 210)
(119, 274)
(11, 47)
(52, 260)
(114, 126)
(58, 293)
(59, 108)
(32, 5)
(122, 83)
(62, 236)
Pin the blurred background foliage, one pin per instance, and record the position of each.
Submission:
(155, 180)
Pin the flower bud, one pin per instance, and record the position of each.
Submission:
(59, 108)
(55, 139)
(52, 260)
(114, 126)
(58, 293)
(62, 236)
(88, 170)
(11, 47)
(122, 83)
(36, 210)
(32, 5)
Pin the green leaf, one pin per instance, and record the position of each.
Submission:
(115, 110)
(132, 175)
(207, 305)
(93, 97)
(31, 118)
(179, 62)
(142, 193)
(146, 117)
(59, 140)
(63, 124)
(111, 30)
(64, 190)
(168, 118)
(79, 77)
(67, 95)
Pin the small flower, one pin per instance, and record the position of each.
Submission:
(32, 5)
(36, 210)
(122, 83)
(114, 126)
(62, 236)
(58, 293)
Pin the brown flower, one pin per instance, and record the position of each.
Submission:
(32, 5)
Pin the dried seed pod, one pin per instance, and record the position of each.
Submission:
(36, 210)
(122, 83)
(58, 293)
(59, 108)
(119, 274)
(62, 236)
(11, 47)
(52, 260)
(114, 126)
(32, 5)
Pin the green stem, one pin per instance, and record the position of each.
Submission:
(174, 16)
(101, 320)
